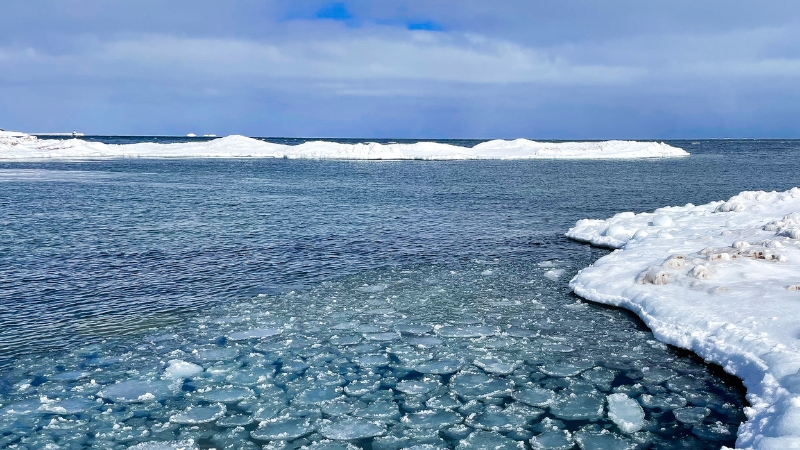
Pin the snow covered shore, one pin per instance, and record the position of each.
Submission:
(18, 146)
(723, 280)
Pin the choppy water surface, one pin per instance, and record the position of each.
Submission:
(289, 304)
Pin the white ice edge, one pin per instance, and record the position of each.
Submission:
(19, 146)
(722, 280)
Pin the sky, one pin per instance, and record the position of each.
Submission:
(572, 69)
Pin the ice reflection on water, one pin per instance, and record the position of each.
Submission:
(434, 357)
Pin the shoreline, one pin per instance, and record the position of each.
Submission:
(17, 146)
(713, 279)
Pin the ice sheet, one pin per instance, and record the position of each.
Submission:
(19, 146)
(721, 279)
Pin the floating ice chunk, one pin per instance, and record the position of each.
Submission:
(684, 384)
(440, 367)
(368, 361)
(136, 391)
(534, 396)
(380, 337)
(181, 369)
(345, 326)
(662, 402)
(380, 410)
(346, 339)
(496, 366)
(714, 432)
(625, 412)
(70, 376)
(554, 274)
(351, 429)
(227, 395)
(602, 440)
(194, 415)
(473, 331)
(339, 407)
(285, 428)
(424, 341)
(430, 419)
(68, 406)
(581, 407)
(270, 409)
(499, 420)
(238, 420)
(557, 348)
(489, 440)
(417, 330)
(165, 445)
(417, 387)
(658, 375)
(373, 288)
(255, 333)
(443, 402)
(217, 354)
(362, 387)
(600, 376)
(474, 386)
(329, 445)
(295, 366)
(564, 369)
(409, 355)
(692, 415)
(553, 440)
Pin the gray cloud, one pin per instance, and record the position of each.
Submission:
(572, 69)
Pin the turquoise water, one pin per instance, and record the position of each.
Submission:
(393, 303)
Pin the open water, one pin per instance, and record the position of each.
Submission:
(328, 304)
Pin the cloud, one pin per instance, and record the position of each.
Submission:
(573, 68)
(397, 55)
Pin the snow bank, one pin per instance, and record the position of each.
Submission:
(723, 280)
(24, 147)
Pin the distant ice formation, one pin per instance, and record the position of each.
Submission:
(723, 280)
(20, 146)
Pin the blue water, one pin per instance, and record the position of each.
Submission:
(109, 269)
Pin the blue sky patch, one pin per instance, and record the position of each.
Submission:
(335, 11)
(426, 25)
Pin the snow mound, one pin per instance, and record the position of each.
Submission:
(19, 146)
(721, 279)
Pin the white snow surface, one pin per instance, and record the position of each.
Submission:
(721, 279)
(19, 146)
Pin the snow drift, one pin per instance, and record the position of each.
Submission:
(721, 279)
(18, 146)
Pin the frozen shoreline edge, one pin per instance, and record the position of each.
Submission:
(683, 300)
(22, 147)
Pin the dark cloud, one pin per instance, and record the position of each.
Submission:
(573, 69)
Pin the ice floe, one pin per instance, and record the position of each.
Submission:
(720, 279)
(19, 146)
(497, 377)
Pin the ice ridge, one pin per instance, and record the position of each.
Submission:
(721, 279)
(19, 146)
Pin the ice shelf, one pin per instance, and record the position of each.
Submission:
(721, 279)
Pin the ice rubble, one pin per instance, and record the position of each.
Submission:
(19, 146)
(721, 279)
(489, 375)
